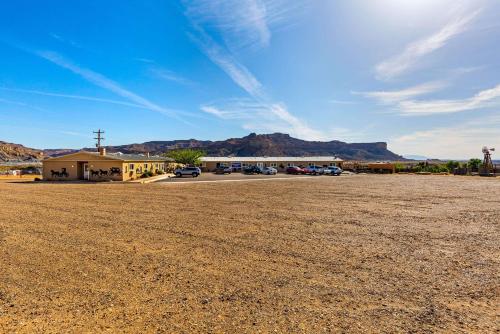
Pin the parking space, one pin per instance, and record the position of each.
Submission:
(211, 177)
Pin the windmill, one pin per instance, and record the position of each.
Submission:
(487, 163)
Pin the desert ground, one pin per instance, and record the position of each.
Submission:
(365, 253)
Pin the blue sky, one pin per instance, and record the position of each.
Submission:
(423, 75)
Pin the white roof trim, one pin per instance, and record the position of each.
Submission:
(269, 159)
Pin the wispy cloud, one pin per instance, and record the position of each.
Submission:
(228, 63)
(259, 112)
(76, 97)
(21, 104)
(170, 76)
(483, 99)
(389, 97)
(405, 61)
(104, 82)
(243, 23)
(262, 117)
(283, 120)
(66, 41)
(454, 142)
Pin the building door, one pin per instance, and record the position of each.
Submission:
(260, 164)
(86, 172)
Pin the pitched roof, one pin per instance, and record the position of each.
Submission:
(113, 156)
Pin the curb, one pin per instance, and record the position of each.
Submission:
(152, 179)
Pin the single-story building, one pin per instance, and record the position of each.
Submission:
(209, 164)
(99, 166)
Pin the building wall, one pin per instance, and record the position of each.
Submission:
(57, 166)
(134, 169)
(103, 170)
(279, 165)
(98, 170)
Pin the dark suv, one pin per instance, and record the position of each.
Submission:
(252, 170)
(223, 170)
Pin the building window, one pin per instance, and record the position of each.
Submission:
(274, 164)
(126, 169)
(131, 166)
(333, 164)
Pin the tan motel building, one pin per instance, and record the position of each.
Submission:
(209, 164)
(99, 166)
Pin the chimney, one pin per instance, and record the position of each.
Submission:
(102, 151)
(147, 154)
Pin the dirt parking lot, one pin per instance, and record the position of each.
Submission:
(212, 177)
(373, 253)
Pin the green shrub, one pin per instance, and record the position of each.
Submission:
(147, 174)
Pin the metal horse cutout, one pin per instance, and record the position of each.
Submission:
(100, 173)
(62, 173)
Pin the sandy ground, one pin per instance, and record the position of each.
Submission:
(374, 253)
(7, 178)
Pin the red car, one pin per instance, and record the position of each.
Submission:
(294, 170)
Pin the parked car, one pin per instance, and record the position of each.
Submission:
(294, 170)
(252, 170)
(332, 170)
(223, 170)
(313, 170)
(192, 171)
(269, 171)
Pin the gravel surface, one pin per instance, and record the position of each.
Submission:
(373, 253)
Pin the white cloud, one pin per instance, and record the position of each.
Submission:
(389, 97)
(455, 142)
(483, 99)
(262, 117)
(260, 107)
(76, 97)
(103, 82)
(243, 23)
(406, 61)
(170, 76)
(22, 104)
(225, 61)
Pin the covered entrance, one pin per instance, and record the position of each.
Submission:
(83, 170)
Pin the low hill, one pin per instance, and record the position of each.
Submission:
(18, 153)
(276, 144)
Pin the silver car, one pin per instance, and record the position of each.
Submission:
(269, 171)
(332, 170)
(191, 171)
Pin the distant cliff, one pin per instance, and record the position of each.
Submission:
(18, 153)
(276, 144)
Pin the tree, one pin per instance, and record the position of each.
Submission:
(474, 164)
(451, 165)
(186, 156)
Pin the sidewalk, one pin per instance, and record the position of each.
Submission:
(153, 178)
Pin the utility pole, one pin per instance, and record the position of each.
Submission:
(99, 138)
